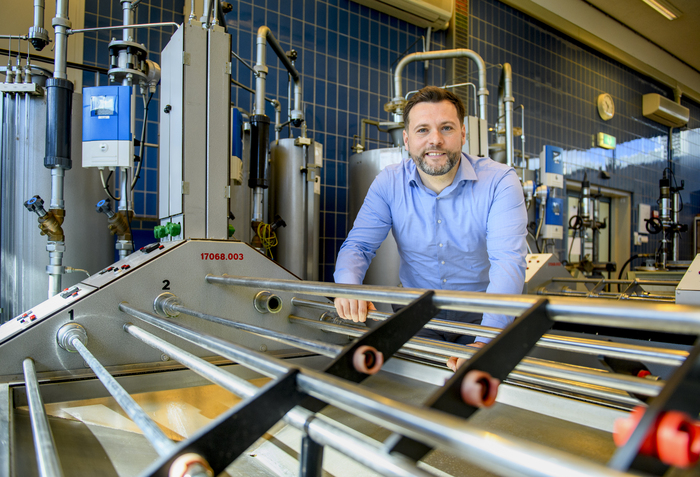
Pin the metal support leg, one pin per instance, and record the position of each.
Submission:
(311, 461)
(5, 427)
(44, 445)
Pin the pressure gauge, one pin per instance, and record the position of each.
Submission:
(606, 106)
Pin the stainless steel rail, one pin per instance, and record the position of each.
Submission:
(326, 349)
(652, 317)
(160, 442)
(319, 430)
(507, 456)
(44, 445)
(536, 366)
(578, 345)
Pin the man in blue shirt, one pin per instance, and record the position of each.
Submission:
(459, 221)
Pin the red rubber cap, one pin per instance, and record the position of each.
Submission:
(367, 359)
(479, 389)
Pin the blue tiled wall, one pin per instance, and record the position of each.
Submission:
(558, 81)
(345, 54)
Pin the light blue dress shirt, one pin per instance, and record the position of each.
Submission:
(470, 237)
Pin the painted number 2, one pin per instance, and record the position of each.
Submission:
(166, 284)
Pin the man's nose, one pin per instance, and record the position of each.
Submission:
(436, 138)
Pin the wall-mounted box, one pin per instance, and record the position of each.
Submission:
(664, 111)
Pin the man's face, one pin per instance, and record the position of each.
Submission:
(434, 137)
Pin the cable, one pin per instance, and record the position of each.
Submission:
(143, 140)
(105, 184)
(268, 238)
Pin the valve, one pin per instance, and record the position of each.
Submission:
(118, 224)
(170, 229)
(49, 221)
(36, 204)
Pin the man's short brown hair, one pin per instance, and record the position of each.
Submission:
(433, 94)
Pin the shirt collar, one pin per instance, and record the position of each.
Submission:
(465, 172)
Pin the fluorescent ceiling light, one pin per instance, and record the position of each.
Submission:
(664, 8)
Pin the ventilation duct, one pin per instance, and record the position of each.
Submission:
(423, 13)
(664, 111)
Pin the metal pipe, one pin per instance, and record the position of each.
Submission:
(151, 431)
(321, 431)
(505, 110)
(265, 36)
(445, 54)
(652, 317)
(128, 18)
(120, 27)
(55, 268)
(577, 345)
(61, 24)
(476, 104)
(320, 347)
(260, 71)
(531, 365)
(44, 444)
(39, 14)
(57, 188)
(504, 455)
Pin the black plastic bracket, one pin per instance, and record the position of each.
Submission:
(387, 338)
(498, 358)
(679, 394)
(311, 458)
(230, 434)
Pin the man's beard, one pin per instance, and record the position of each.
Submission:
(452, 160)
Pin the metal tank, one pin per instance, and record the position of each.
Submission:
(364, 167)
(295, 195)
(23, 255)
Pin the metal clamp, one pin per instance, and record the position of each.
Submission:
(67, 333)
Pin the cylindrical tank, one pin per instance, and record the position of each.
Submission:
(363, 168)
(298, 247)
(23, 255)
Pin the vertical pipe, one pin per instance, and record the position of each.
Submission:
(128, 18)
(61, 24)
(505, 110)
(44, 445)
(260, 70)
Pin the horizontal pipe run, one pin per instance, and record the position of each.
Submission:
(533, 365)
(321, 431)
(648, 354)
(121, 27)
(150, 429)
(652, 317)
(613, 281)
(610, 296)
(507, 456)
(44, 444)
(315, 346)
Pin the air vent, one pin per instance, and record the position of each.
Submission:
(664, 111)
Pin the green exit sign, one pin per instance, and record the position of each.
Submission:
(606, 141)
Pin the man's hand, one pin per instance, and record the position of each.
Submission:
(355, 310)
(453, 363)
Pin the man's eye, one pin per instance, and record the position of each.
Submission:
(422, 130)
(447, 128)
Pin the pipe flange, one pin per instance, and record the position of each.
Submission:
(266, 302)
(55, 269)
(163, 305)
(67, 333)
(58, 21)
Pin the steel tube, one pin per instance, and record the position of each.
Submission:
(61, 25)
(321, 431)
(326, 349)
(532, 365)
(260, 70)
(128, 19)
(57, 188)
(653, 317)
(505, 110)
(140, 25)
(44, 445)
(150, 429)
(446, 54)
(55, 279)
(577, 345)
(508, 456)
(265, 36)
(504, 456)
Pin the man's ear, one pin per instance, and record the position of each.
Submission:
(405, 139)
(464, 134)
